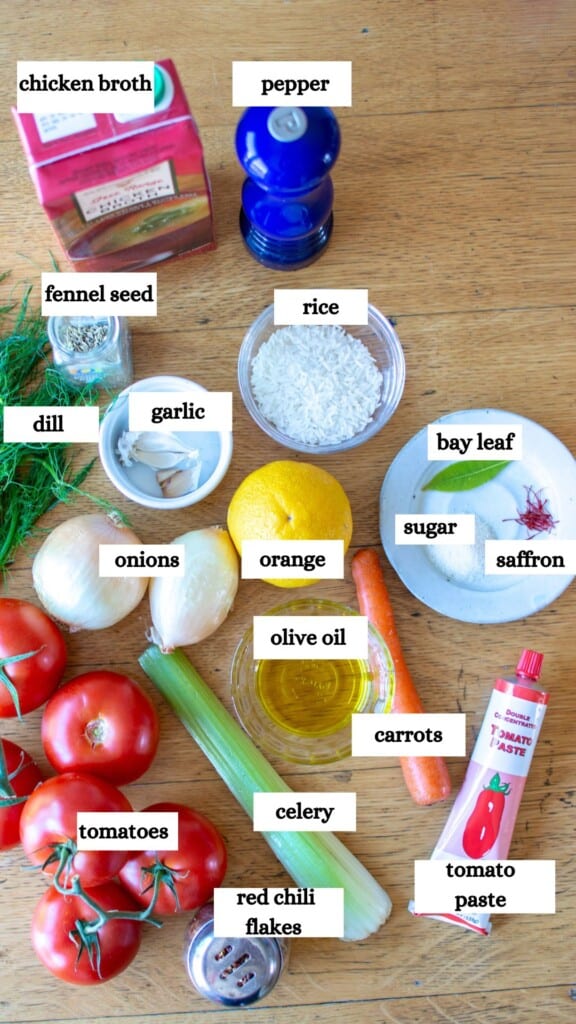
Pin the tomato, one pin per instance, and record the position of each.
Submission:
(22, 775)
(26, 629)
(199, 864)
(101, 723)
(49, 816)
(55, 917)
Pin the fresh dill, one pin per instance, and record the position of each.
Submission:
(33, 476)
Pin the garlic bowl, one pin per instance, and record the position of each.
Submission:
(161, 469)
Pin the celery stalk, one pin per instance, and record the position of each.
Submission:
(313, 859)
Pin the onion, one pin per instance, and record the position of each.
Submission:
(186, 609)
(67, 580)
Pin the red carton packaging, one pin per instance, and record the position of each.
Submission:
(122, 192)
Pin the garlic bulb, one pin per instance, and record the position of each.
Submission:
(153, 448)
(66, 575)
(186, 609)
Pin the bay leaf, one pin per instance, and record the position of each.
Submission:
(465, 476)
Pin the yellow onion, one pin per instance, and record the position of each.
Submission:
(67, 580)
(186, 609)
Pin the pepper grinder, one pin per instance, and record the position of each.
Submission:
(286, 216)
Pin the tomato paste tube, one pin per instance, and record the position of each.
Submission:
(484, 813)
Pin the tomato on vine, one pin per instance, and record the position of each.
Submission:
(62, 939)
(188, 875)
(48, 826)
(32, 657)
(19, 775)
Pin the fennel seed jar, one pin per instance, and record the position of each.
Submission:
(92, 350)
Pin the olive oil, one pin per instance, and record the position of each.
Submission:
(312, 698)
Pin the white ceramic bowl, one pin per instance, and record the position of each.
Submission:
(381, 340)
(138, 482)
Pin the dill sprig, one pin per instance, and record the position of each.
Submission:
(33, 476)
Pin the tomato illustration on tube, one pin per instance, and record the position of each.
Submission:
(481, 829)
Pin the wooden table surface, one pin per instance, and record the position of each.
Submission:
(454, 206)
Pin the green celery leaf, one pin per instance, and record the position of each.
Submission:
(464, 476)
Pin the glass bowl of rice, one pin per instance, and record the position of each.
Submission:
(321, 389)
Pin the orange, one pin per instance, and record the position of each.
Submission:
(289, 500)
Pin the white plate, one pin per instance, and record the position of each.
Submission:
(546, 464)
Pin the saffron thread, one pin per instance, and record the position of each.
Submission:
(536, 517)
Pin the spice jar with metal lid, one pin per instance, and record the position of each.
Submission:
(92, 350)
(231, 971)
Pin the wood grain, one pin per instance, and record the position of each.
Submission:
(454, 205)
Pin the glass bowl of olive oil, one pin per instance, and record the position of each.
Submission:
(301, 710)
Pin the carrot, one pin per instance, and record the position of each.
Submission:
(427, 778)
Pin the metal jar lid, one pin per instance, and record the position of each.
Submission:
(231, 971)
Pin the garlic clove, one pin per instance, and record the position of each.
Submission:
(176, 482)
(159, 460)
(155, 449)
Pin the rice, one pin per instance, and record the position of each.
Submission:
(318, 385)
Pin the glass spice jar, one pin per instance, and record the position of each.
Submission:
(92, 350)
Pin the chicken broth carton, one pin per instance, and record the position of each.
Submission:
(123, 191)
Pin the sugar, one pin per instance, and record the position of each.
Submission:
(463, 563)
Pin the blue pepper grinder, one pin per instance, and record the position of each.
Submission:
(287, 152)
